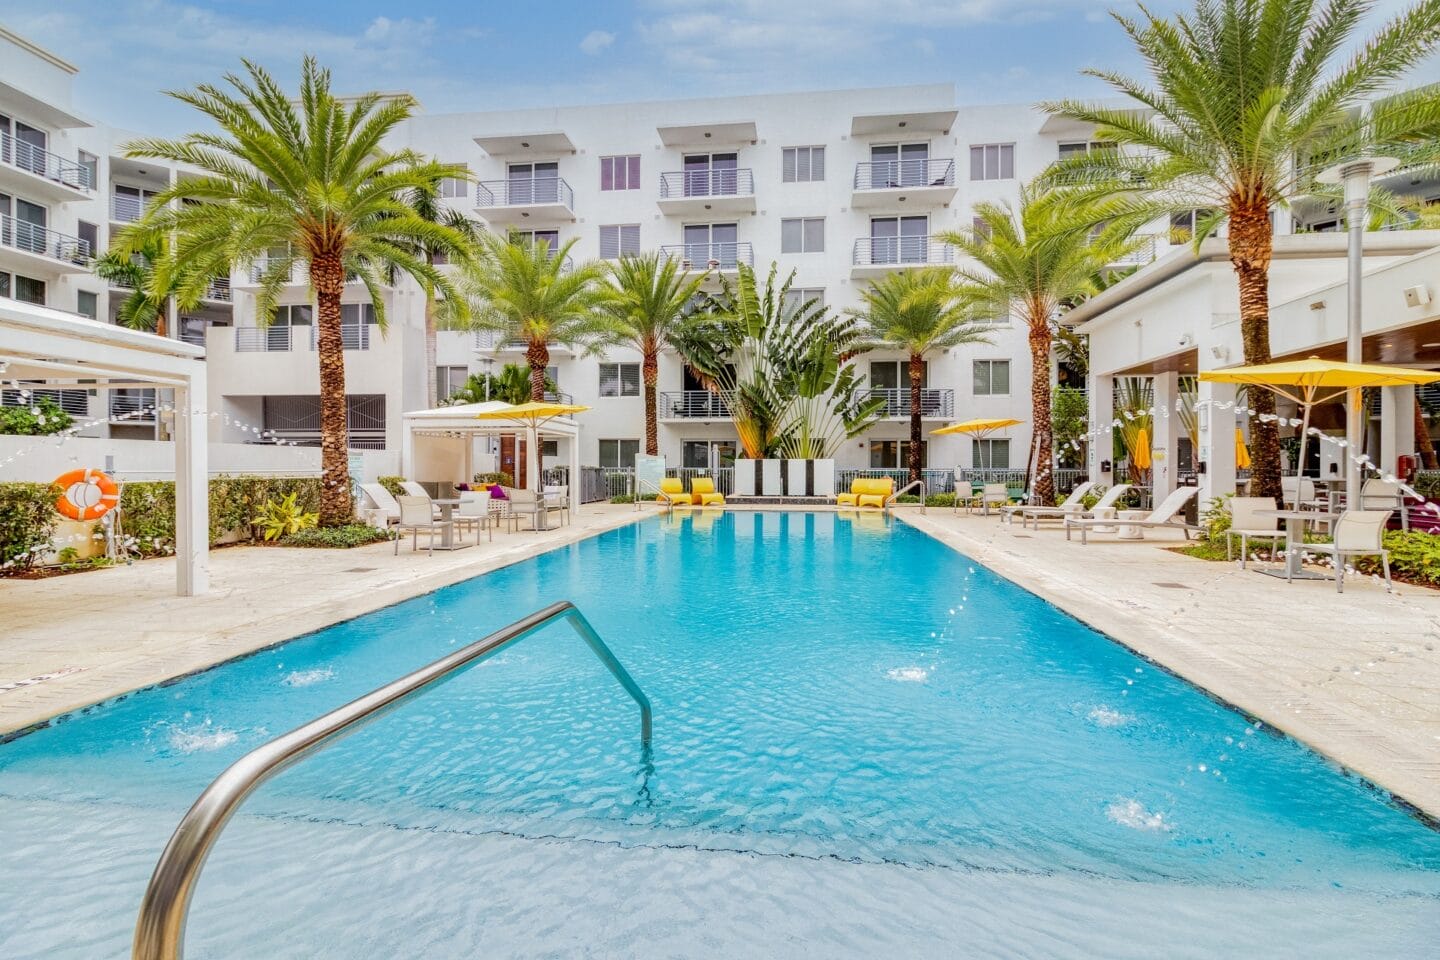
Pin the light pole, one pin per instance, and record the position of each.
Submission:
(1355, 175)
(488, 363)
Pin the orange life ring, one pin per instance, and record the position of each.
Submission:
(86, 494)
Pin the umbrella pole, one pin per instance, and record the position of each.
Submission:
(1304, 435)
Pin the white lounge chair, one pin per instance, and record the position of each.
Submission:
(383, 507)
(414, 489)
(1247, 523)
(416, 514)
(1163, 516)
(1071, 505)
(1104, 507)
(1358, 533)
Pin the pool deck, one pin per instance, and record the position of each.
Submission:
(75, 640)
(1356, 676)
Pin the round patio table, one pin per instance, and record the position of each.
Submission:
(1295, 521)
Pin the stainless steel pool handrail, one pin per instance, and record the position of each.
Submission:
(909, 486)
(160, 930)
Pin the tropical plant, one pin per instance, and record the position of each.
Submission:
(917, 312)
(1028, 263)
(511, 385)
(141, 309)
(287, 183)
(41, 416)
(425, 202)
(524, 291)
(654, 293)
(1247, 101)
(280, 518)
(1069, 413)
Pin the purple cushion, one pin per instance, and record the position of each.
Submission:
(497, 492)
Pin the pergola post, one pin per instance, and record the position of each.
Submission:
(192, 495)
(574, 443)
(1165, 436)
(1215, 460)
(1100, 450)
(1397, 426)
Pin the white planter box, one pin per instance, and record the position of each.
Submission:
(744, 479)
(770, 485)
(788, 478)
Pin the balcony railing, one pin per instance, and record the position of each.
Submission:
(126, 209)
(133, 406)
(281, 337)
(1147, 247)
(677, 184)
(935, 402)
(218, 290)
(41, 162)
(713, 256)
(33, 238)
(693, 405)
(902, 251)
(299, 271)
(892, 174)
(526, 192)
(74, 402)
(353, 336)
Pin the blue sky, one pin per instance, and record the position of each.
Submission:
(488, 55)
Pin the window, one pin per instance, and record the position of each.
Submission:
(91, 165)
(454, 187)
(551, 238)
(618, 454)
(87, 304)
(895, 375)
(617, 240)
(802, 236)
(992, 378)
(1078, 147)
(450, 381)
(353, 314)
(803, 164)
(549, 448)
(713, 175)
(620, 173)
(619, 379)
(4, 285)
(89, 236)
(980, 228)
(900, 239)
(797, 296)
(29, 290)
(897, 165)
(533, 183)
(895, 454)
(715, 244)
(707, 454)
(992, 161)
(990, 453)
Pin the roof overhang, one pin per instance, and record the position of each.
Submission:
(732, 133)
(902, 124)
(537, 144)
(40, 111)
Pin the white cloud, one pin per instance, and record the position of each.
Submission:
(595, 41)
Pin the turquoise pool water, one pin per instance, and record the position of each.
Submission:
(864, 743)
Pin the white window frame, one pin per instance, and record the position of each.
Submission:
(620, 372)
(997, 161)
(794, 169)
(795, 296)
(454, 187)
(620, 443)
(990, 366)
(805, 237)
(987, 460)
(623, 232)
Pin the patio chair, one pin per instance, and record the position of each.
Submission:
(523, 503)
(384, 508)
(414, 489)
(672, 491)
(416, 514)
(474, 511)
(1358, 533)
(557, 499)
(1378, 494)
(994, 494)
(1071, 505)
(1309, 499)
(1164, 516)
(1247, 523)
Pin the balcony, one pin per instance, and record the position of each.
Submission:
(218, 291)
(132, 406)
(715, 257)
(489, 341)
(46, 250)
(1148, 246)
(254, 276)
(693, 405)
(707, 191)
(528, 200)
(125, 209)
(936, 403)
(282, 338)
(42, 172)
(877, 256)
(912, 183)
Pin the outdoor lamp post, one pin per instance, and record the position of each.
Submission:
(1355, 175)
(488, 363)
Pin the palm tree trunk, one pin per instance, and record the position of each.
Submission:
(537, 355)
(1041, 439)
(917, 377)
(1251, 246)
(650, 370)
(431, 388)
(336, 509)
(1422, 439)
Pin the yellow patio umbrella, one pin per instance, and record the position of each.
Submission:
(1311, 381)
(1141, 453)
(1242, 453)
(532, 415)
(979, 429)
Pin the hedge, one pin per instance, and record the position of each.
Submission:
(27, 522)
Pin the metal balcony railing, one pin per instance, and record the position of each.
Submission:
(1147, 247)
(126, 209)
(677, 184)
(713, 256)
(133, 406)
(74, 402)
(902, 251)
(524, 192)
(264, 339)
(935, 402)
(892, 174)
(693, 405)
(353, 336)
(33, 238)
(299, 271)
(41, 162)
(219, 290)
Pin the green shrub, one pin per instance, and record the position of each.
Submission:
(1216, 519)
(931, 500)
(283, 517)
(147, 517)
(630, 498)
(392, 485)
(1414, 557)
(27, 522)
(41, 417)
(1427, 484)
(354, 535)
(500, 477)
(148, 509)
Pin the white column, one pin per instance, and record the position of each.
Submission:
(1165, 436)
(575, 473)
(1216, 456)
(192, 500)
(407, 448)
(1100, 457)
(1397, 425)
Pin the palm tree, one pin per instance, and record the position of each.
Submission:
(1249, 100)
(653, 295)
(427, 206)
(524, 291)
(917, 311)
(140, 310)
(1027, 265)
(511, 385)
(281, 189)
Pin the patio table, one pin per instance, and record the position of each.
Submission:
(1295, 521)
(448, 540)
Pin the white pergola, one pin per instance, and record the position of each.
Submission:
(442, 440)
(54, 350)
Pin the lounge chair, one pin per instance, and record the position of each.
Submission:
(1163, 516)
(1104, 507)
(1071, 505)
(416, 514)
(385, 508)
(672, 490)
(1248, 523)
(867, 492)
(414, 489)
(1358, 533)
(704, 494)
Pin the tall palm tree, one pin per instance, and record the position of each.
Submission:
(524, 291)
(1027, 264)
(427, 206)
(1246, 101)
(141, 309)
(918, 311)
(653, 294)
(295, 183)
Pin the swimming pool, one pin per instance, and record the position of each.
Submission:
(864, 743)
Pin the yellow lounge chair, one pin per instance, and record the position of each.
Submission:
(867, 492)
(702, 492)
(673, 490)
